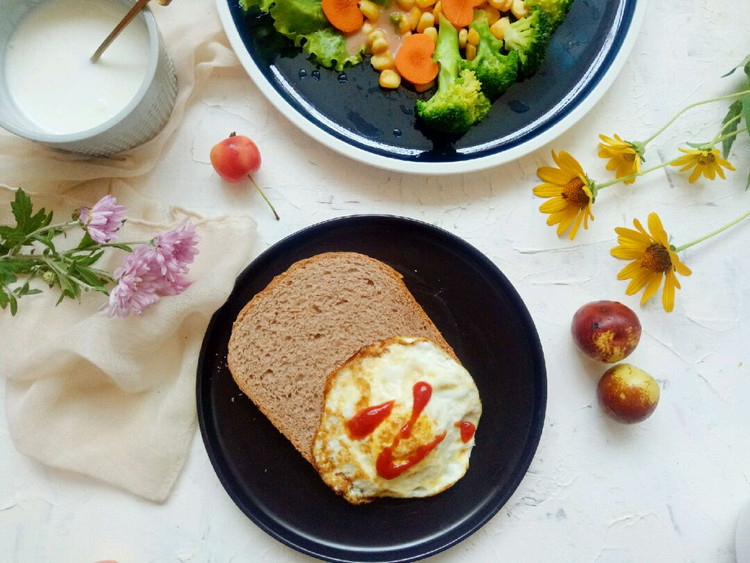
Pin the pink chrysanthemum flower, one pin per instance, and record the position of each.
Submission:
(175, 249)
(103, 220)
(136, 287)
(153, 271)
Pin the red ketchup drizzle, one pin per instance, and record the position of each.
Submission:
(467, 430)
(367, 420)
(386, 467)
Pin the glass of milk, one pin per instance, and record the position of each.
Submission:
(51, 92)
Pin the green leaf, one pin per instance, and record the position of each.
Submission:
(7, 273)
(746, 111)
(89, 277)
(745, 63)
(22, 211)
(46, 240)
(90, 259)
(13, 305)
(124, 247)
(734, 111)
(699, 146)
(86, 242)
(328, 48)
(3, 298)
(27, 222)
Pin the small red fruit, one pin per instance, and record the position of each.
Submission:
(235, 158)
(628, 394)
(607, 331)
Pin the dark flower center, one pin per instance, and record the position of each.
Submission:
(573, 192)
(706, 158)
(657, 259)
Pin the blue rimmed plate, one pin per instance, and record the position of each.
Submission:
(351, 114)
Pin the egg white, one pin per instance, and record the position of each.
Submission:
(383, 372)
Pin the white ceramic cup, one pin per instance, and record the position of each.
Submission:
(140, 120)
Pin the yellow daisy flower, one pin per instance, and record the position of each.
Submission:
(569, 193)
(703, 161)
(624, 157)
(652, 258)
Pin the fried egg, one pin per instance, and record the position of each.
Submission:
(398, 421)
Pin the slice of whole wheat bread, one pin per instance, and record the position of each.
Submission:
(308, 321)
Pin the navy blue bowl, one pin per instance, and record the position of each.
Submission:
(481, 316)
(352, 110)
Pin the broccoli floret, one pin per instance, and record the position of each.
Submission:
(458, 102)
(494, 70)
(529, 37)
(556, 9)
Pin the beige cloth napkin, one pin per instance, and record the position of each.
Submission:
(109, 397)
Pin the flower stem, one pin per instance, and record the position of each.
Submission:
(721, 137)
(634, 175)
(690, 106)
(712, 233)
(56, 226)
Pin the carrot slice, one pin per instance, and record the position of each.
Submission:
(459, 12)
(344, 15)
(414, 59)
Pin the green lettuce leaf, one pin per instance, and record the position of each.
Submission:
(296, 19)
(328, 47)
(305, 24)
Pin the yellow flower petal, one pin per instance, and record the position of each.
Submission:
(679, 266)
(651, 288)
(667, 294)
(657, 231)
(627, 253)
(639, 280)
(553, 205)
(576, 225)
(629, 271)
(554, 175)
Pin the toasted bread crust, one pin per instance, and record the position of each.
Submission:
(308, 321)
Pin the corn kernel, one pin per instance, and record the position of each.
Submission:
(462, 38)
(379, 45)
(405, 5)
(424, 4)
(436, 10)
(472, 37)
(404, 24)
(390, 79)
(366, 28)
(370, 9)
(382, 61)
(432, 33)
(425, 20)
(414, 16)
(501, 5)
(471, 52)
(493, 14)
(518, 8)
(498, 28)
(424, 87)
(372, 37)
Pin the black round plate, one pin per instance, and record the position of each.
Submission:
(351, 111)
(481, 316)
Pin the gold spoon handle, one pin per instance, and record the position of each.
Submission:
(137, 7)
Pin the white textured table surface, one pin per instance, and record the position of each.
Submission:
(669, 489)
